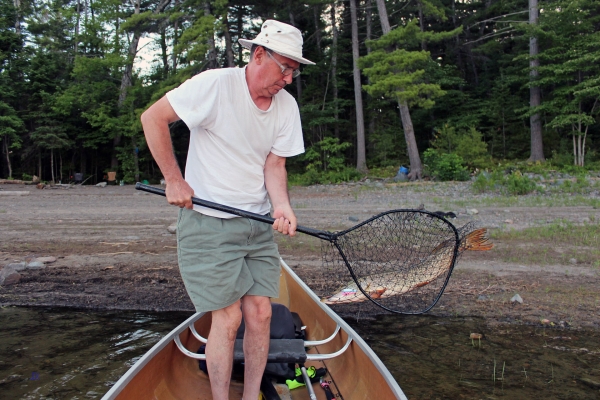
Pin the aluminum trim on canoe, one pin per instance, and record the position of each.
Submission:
(141, 363)
(357, 339)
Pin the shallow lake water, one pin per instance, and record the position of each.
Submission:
(435, 358)
(73, 354)
(78, 354)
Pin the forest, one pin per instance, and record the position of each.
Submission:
(428, 84)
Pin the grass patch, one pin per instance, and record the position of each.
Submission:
(559, 232)
(560, 242)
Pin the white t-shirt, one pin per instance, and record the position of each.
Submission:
(230, 138)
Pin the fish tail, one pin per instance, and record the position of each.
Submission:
(476, 241)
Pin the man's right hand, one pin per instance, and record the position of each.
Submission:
(179, 193)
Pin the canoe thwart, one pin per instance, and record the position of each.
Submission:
(308, 343)
(280, 351)
(320, 357)
(196, 334)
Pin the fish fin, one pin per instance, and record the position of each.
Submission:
(377, 293)
(476, 241)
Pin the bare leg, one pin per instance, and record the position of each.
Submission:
(219, 349)
(257, 316)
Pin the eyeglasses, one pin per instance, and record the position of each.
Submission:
(286, 71)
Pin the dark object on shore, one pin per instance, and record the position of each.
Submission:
(443, 214)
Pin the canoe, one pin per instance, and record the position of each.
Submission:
(354, 371)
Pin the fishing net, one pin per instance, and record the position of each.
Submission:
(401, 260)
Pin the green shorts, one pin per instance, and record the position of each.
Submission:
(222, 260)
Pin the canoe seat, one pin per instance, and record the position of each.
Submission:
(280, 351)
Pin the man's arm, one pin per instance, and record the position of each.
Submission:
(276, 184)
(155, 121)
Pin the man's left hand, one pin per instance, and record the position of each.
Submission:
(285, 221)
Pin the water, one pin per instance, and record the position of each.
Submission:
(77, 354)
(434, 358)
(73, 354)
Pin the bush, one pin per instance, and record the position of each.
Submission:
(445, 166)
(519, 184)
(313, 177)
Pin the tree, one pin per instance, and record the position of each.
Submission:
(537, 146)
(571, 69)
(361, 160)
(400, 74)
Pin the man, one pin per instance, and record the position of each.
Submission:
(242, 125)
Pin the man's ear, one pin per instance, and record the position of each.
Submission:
(259, 55)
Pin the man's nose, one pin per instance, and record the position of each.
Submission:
(288, 79)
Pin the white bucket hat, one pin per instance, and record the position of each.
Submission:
(282, 38)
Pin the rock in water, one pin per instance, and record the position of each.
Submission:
(8, 276)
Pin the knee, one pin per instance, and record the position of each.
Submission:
(258, 314)
(228, 320)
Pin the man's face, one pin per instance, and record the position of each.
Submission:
(272, 79)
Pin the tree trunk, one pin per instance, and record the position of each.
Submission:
(240, 26)
(175, 41)
(409, 134)
(537, 146)
(212, 51)
(334, 82)
(17, 4)
(421, 24)
(416, 168)
(361, 160)
(7, 152)
(317, 19)
(383, 17)
(163, 51)
(299, 78)
(228, 44)
(128, 75)
(52, 164)
(136, 162)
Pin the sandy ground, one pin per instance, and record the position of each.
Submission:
(114, 250)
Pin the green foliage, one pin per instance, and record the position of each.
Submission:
(514, 183)
(326, 155)
(467, 144)
(313, 176)
(445, 166)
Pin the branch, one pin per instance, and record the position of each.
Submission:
(499, 32)
(500, 16)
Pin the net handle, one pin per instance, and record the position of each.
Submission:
(240, 213)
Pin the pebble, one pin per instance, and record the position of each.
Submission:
(8, 276)
(36, 265)
(472, 211)
(353, 219)
(517, 298)
(508, 221)
(573, 261)
(172, 228)
(101, 184)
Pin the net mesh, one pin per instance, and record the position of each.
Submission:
(400, 259)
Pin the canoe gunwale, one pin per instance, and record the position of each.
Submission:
(350, 332)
